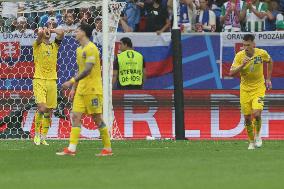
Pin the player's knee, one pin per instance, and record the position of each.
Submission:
(247, 121)
(99, 121)
(76, 120)
(42, 108)
(257, 118)
(257, 115)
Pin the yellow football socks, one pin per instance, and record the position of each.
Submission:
(250, 132)
(257, 124)
(105, 137)
(38, 120)
(74, 138)
(74, 135)
(46, 121)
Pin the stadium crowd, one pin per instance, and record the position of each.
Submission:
(156, 16)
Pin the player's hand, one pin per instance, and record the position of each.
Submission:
(40, 31)
(67, 85)
(268, 84)
(52, 30)
(245, 61)
(159, 32)
(72, 94)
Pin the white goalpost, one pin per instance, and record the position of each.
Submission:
(109, 38)
(106, 66)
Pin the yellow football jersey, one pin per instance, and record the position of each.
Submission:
(252, 74)
(45, 60)
(92, 84)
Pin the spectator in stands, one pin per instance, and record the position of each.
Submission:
(254, 13)
(205, 18)
(280, 22)
(22, 26)
(130, 17)
(231, 15)
(157, 17)
(129, 67)
(99, 24)
(68, 26)
(97, 32)
(34, 17)
(50, 13)
(197, 3)
(186, 14)
(281, 5)
(52, 23)
(85, 16)
(270, 22)
(9, 15)
(216, 7)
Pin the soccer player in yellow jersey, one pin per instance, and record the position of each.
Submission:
(249, 64)
(44, 81)
(87, 91)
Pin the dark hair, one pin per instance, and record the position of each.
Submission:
(248, 37)
(126, 41)
(88, 29)
(158, 1)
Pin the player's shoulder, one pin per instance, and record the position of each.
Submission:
(260, 51)
(91, 46)
(36, 44)
(240, 54)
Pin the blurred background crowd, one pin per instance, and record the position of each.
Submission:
(155, 16)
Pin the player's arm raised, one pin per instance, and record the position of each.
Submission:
(39, 36)
(236, 69)
(59, 32)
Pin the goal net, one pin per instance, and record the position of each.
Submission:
(18, 32)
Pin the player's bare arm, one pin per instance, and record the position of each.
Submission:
(39, 36)
(82, 75)
(59, 32)
(234, 71)
(269, 73)
(73, 90)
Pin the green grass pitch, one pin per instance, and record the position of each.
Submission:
(143, 164)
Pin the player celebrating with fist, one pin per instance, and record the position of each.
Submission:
(44, 81)
(249, 63)
(88, 90)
